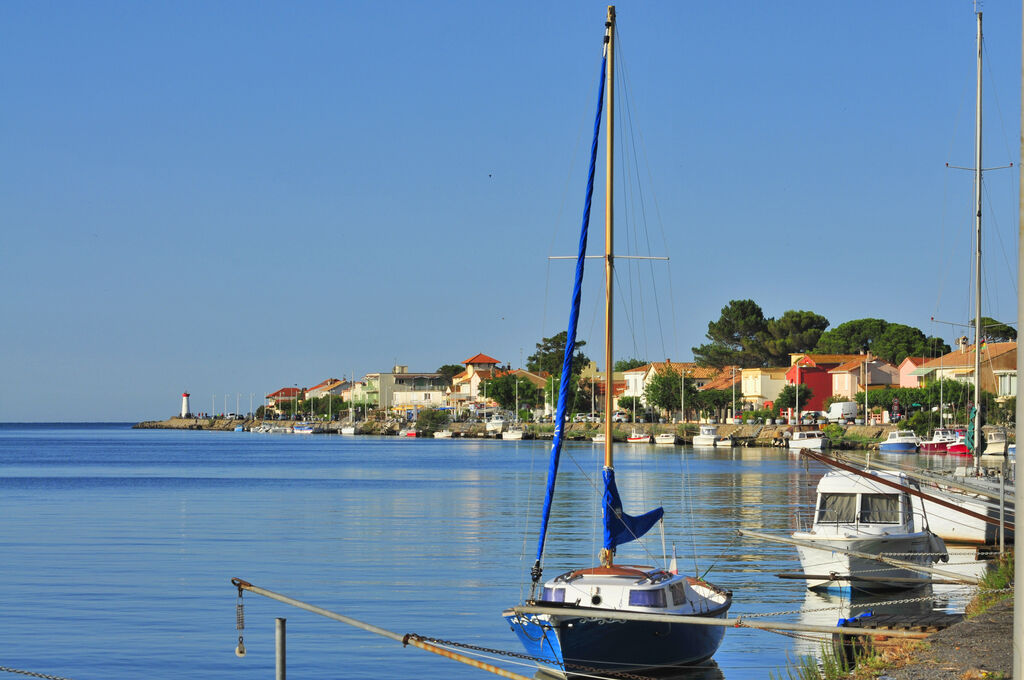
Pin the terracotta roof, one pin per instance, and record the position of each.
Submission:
(330, 382)
(481, 359)
(825, 359)
(285, 392)
(917, 361)
(726, 379)
(956, 358)
(855, 364)
(690, 368)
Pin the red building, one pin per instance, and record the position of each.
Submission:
(813, 370)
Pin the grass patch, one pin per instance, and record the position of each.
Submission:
(866, 663)
(992, 589)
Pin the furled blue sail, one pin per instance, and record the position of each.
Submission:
(570, 341)
(619, 527)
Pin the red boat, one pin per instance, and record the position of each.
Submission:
(941, 438)
(959, 447)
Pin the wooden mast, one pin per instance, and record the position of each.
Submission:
(609, 257)
(609, 233)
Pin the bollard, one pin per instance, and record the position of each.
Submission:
(279, 645)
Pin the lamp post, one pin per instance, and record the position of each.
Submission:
(295, 399)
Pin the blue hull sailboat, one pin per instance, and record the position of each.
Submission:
(612, 617)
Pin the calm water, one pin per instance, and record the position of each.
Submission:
(119, 546)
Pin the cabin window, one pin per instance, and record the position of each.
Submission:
(880, 508)
(838, 507)
(678, 592)
(553, 595)
(647, 598)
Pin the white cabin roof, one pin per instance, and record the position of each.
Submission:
(841, 481)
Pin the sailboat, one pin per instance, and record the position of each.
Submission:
(611, 617)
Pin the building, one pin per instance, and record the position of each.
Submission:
(366, 393)
(998, 367)
(465, 388)
(401, 390)
(859, 375)
(284, 399)
(907, 368)
(813, 370)
(761, 386)
(331, 386)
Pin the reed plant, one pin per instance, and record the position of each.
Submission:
(996, 585)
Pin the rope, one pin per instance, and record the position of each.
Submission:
(32, 674)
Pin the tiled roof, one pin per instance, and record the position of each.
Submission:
(285, 393)
(917, 361)
(826, 359)
(855, 364)
(956, 358)
(326, 384)
(691, 369)
(481, 359)
(726, 379)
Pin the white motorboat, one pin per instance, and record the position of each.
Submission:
(443, 434)
(598, 438)
(515, 434)
(496, 424)
(303, 428)
(348, 429)
(995, 442)
(725, 441)
(666, 438)
(858, 513)
(707, 437)
(808, 439)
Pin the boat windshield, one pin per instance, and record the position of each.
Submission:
(838, 507)
(880, 508)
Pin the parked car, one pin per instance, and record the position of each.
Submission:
(841, 411)
(620, 417)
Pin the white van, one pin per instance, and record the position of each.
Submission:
(841, 411)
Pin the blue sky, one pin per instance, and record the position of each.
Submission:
(232, 197)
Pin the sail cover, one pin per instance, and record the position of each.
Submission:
(619, 527)
(570, 340)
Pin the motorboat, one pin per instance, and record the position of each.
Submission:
(808, 439)
(959, 446)
(707, 437)
(515, 434)
(302, 428)
(348, 429)
(496, 423)
(638, 437)
(598, 438)
(941, 438)
(900, 441)
(666, 438)
(724, 441)
(995, 442)
(443, 434)
(408, 432)
(857, 512)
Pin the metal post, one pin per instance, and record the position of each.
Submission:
(279, 647)
(1018, 564)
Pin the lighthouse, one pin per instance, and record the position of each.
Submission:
(185, 410)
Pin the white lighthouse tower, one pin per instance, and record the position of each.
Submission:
(185, 410)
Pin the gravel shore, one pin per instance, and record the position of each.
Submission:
(976, 648)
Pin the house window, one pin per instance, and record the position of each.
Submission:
(1007, 385)
(426, 396)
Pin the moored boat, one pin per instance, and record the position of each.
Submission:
(941, 438)
(408, 432)
(857, 512)
(808, 439)
(302, 428)
(443, 434)
(515, 434)
(639, 437)
(900, 441)
(666, 438)
(707, 436)
(725, 441)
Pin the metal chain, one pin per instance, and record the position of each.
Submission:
(33, 674)
(526, 657)
(865, 605)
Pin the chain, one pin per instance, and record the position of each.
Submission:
(526, 657)
(32, 674)
(865, 605)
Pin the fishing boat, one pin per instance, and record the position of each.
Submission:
(708, 435)
(900, 441)
(958, 447)
(995, 442)
(856, 512)
(666, 438)
(639, 437)
(302, 428)
(569, 623)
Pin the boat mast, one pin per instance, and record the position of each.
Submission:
(977, 262)
(609, 42)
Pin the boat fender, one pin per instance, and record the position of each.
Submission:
(842, 622)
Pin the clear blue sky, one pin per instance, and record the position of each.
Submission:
(232, 197)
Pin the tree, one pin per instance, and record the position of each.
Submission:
(663, 391)
(449, 371)
(997, 331)
(893, 342)
(551, 353)
(794, 331)
(631, 404)
(735, 337)
(713, 402)
(626, 364)
(431, 419)
(503, 390)
(787, 397)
